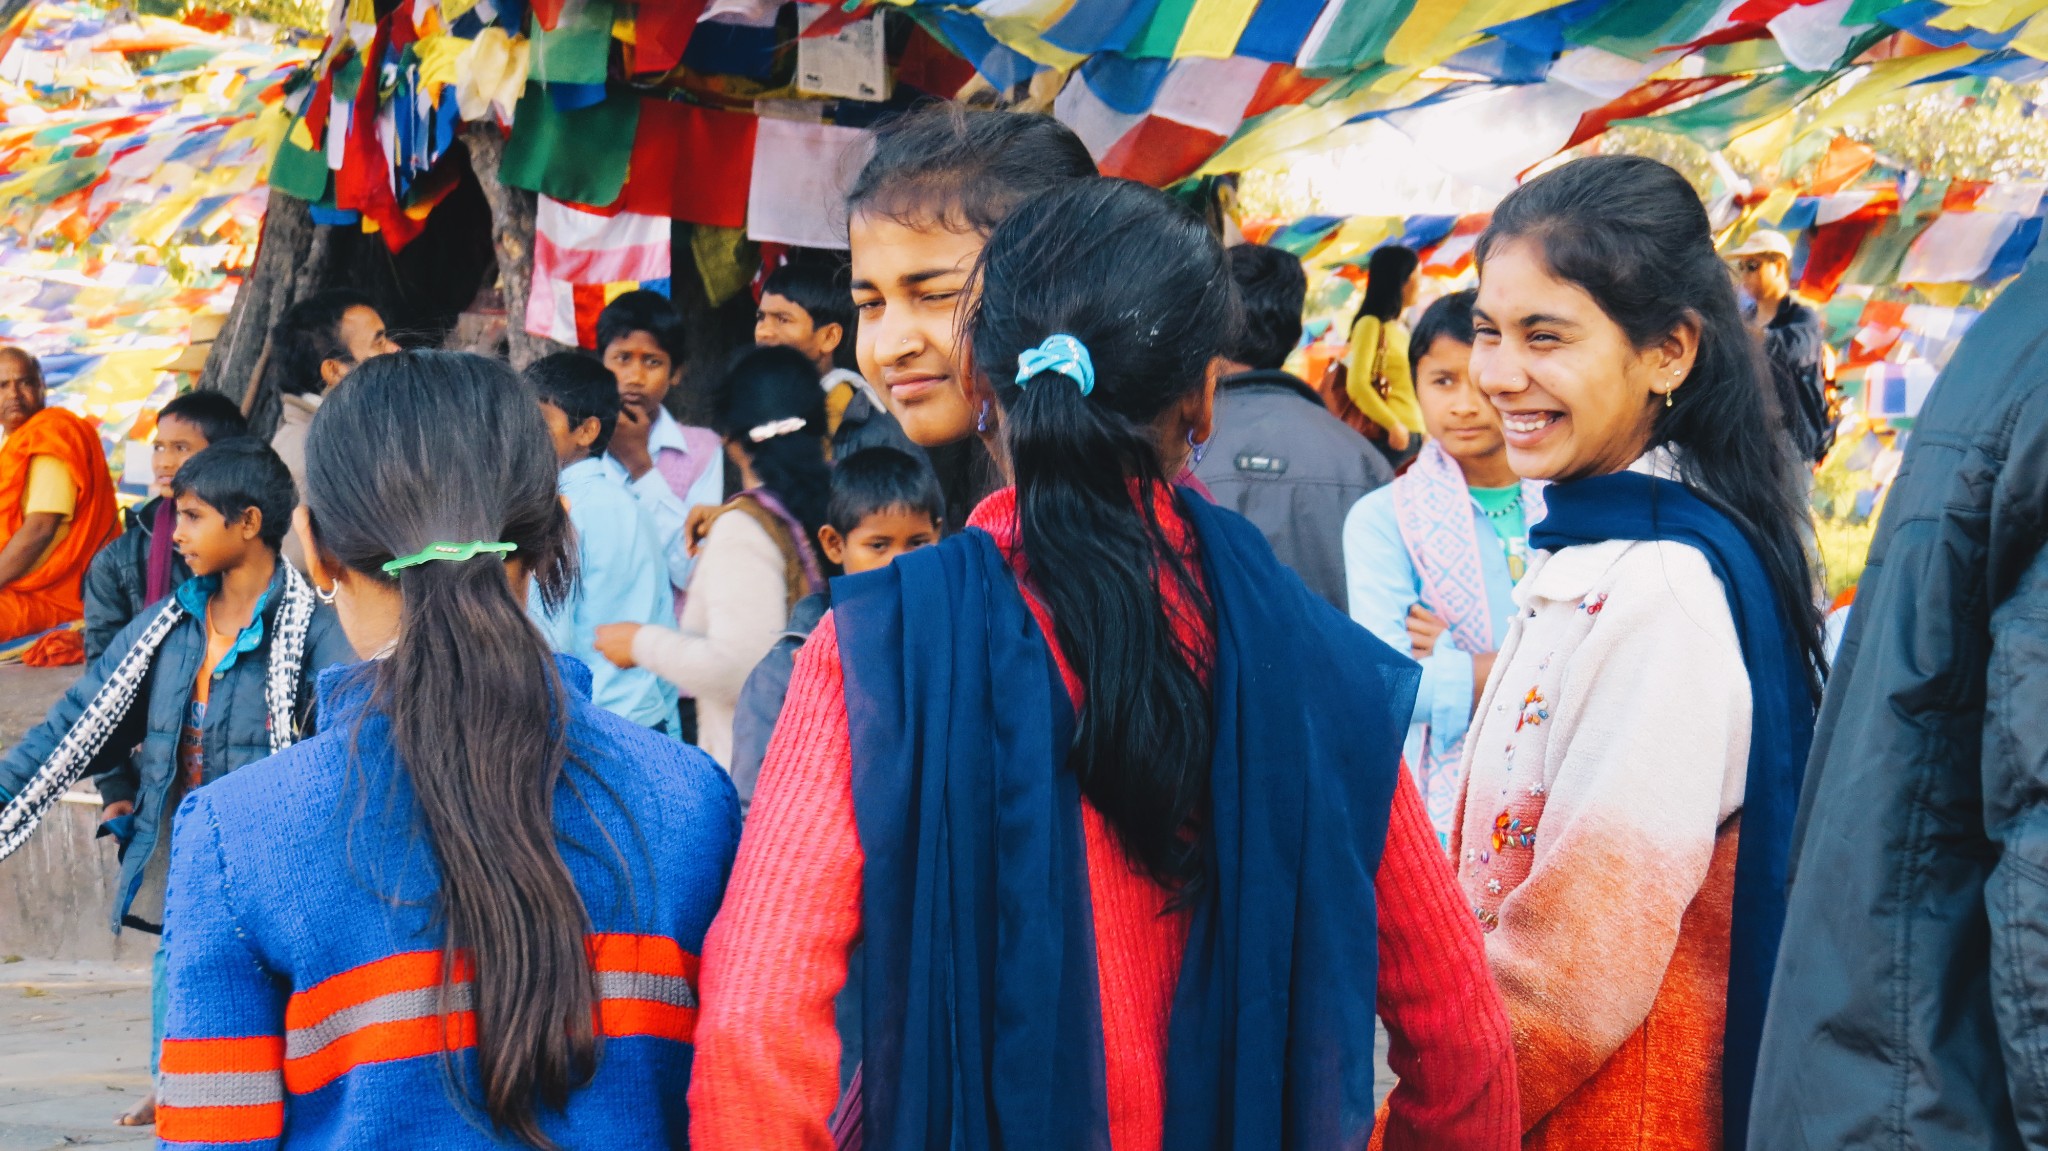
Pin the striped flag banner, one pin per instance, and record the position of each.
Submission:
(583, 260)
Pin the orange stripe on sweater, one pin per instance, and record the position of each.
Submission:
(219, 1124)
(409, 971)
(379, 1043)
(619, 1018)
(414, 970)
(653, 954)
(207, 1056)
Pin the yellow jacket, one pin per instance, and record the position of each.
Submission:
(1398, 406)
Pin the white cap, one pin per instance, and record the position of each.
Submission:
(1764, 242)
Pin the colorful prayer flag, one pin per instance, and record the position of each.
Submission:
(583, 260)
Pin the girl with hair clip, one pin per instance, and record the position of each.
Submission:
(1121, 880)
(756, 562)
(939, 181)
(466, 913)
(1636, 757)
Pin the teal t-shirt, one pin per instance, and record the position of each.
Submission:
(1503, 510)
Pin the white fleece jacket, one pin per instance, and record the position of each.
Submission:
(736, 606)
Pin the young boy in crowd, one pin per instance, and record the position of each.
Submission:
(622, 573)
(142, 566)
(669, 467)
(884, 503)
(807, 305)
(220, 676)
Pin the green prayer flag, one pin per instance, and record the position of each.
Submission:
(580, 156)
(1741, 57)
(1868, 11)
(722, 263)
(299, 171)
(1637, 31)
(577, 51)
(1718, 119)
(1359, 35)
(1162, 29)
(1884, 251)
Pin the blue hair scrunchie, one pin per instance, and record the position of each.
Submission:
(1063, 354)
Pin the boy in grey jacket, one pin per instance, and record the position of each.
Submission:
(1279, 458)
(218, 676)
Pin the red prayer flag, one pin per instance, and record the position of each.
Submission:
(1833, 247)
(1641, 101)
(1159, 151)
(931, 67)
(1963, 195)
(661, 31)
(549, 12)
(1762, 11)
(690, 163)
(1283, 86)
(1846, 160)
(364, 182)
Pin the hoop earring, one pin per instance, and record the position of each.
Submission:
(326, 594)
(981, 420)
(1199, 449)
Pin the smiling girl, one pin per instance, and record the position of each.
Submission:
(1637, 753)
(940, 180)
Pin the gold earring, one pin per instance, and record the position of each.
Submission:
(1667, 399)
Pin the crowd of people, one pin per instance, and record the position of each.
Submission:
(1030, 716)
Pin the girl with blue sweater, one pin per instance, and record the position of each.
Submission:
(467, 913)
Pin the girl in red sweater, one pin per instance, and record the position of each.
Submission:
(1126, 873)
(939, 181)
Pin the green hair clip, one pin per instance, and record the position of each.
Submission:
(452, 553)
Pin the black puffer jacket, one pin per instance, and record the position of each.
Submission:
(1910, 1008)
(115, 587)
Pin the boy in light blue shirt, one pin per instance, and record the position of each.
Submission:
(622, 571)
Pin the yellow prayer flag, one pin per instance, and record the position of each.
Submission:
(1776, 204)
(1213, 27)
(2033, 39)
(1885, 80)
(1989, 15)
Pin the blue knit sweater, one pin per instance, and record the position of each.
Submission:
(305, 968)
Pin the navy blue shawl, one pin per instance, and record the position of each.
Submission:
(1633, 506)
(983, 1021)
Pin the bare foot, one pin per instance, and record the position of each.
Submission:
(143, 1114)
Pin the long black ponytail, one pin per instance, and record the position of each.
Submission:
(1631, 233)
(1143, 285)
(425, 447)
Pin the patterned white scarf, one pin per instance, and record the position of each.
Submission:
(110, 705)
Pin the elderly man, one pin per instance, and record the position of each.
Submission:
(56, 502)
(1791, 336)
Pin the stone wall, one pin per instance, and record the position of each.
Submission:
(56, 893)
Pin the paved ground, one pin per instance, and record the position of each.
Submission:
(74, 1053)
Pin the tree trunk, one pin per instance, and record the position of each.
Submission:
(513, 212)
(288, 259)
(712, 333)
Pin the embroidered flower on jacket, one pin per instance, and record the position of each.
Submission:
(1533, 711)
(1510, 831)
(1488, 920)
(1593, 606)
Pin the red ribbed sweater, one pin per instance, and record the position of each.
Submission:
(767, 1059)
